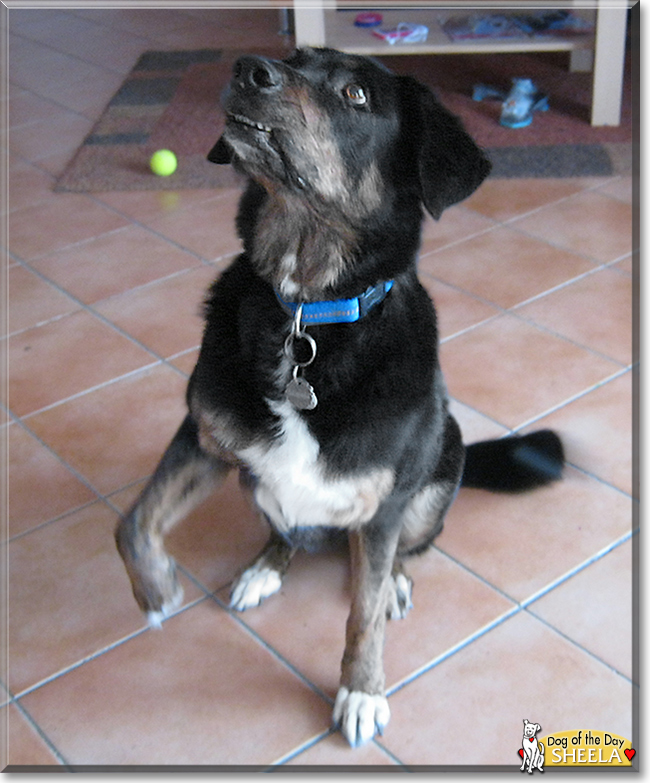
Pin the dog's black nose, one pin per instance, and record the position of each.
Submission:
(257, 73)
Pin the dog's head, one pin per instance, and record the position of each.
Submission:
(343, 130)
(530, 729)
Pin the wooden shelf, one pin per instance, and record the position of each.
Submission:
(604, 51)
(341, 33)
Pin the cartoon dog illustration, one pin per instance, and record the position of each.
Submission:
(533, 750)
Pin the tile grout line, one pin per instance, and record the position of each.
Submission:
(217, 261)
(507, 223)
(167, 360)
(66, 53)
(594, 656)
(435, 662)
(316, 740)
(90, 309)
(107, 322)
(573, 398)
(592, 188)
(102, 651)
(86, 307)
(76, 665)
(551, 585)
(29, 265)
(81, 305)
(579, 395)
(104, 384)
(42, 734)
(577, 569)
(377, 741)
(511, 311)
(135, 222)
(106, 498)
(299, 749)
(98, 653)
(566, 283)
(42, 525)
(570, 340)
(54, 103)
(454, 243)
(53, 319)
(471, 328)
(603, 482)
(100, 496)
(596, 558)
(484, 415)
(510, 224)
(37, 164)
(521, 606)
(23, 33)
(20, 423)
(563, 248)
(476, 575)
(272, 651)
(556, 201)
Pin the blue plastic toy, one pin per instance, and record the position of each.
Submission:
(518, 105)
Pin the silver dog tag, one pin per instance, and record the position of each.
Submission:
(301, 394)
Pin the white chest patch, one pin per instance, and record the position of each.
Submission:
(288, 286)
(293, 489)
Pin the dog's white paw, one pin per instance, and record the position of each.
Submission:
(360, 715)
(399, 597)
(253, 586)
(155, 619)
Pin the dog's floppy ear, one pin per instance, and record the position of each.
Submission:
(220, 153)
(450, 165)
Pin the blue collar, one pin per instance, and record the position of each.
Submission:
(339, 311)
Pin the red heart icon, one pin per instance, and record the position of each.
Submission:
(531, 739)
(521, 752)
(630, 753)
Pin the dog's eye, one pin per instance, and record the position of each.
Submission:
(355, 94)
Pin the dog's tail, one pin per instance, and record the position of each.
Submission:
(514, 464)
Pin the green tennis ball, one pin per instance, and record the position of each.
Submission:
(163, 163)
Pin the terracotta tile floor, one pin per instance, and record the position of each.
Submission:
(523, 609)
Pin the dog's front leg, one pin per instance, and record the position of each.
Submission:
(361, 708)
(532, 761)
(184, 477)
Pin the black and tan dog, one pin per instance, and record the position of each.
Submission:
(318, 376)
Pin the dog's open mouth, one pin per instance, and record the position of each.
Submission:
(239, 119)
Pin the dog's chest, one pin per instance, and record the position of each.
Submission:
(293, 486)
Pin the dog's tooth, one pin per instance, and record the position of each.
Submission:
(251, 123)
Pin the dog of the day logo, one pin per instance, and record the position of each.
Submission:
(582, 748)
(531, 751)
